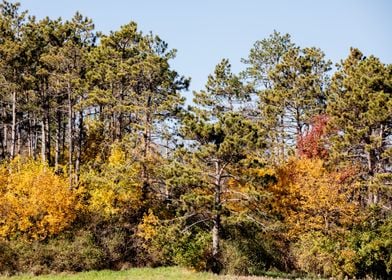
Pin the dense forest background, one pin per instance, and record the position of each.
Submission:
(286, 166)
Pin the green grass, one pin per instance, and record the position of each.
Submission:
(162, 273)
(172, 273)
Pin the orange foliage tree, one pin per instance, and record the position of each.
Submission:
(309, 197)
(318, 208)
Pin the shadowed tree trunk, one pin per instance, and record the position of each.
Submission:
(13, 125)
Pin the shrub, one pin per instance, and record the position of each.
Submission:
(34, 202)
(64, 253)
(7, 258)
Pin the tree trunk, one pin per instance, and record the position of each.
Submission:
(35, 139)
(145, 151)
(43, 140)
(58, 140)
(5, 140)
(371, 160)
(216, 214)
(215, 236)
(70, 142)
(30, 137)
(63, 140)
(79, 151)
(2, 147)
(48, 136)
(19, 140)
(13, 125)
(43, 125)
(282, 140)
(144, 174)
(215, 262)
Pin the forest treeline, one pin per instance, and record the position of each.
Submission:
(285, 166)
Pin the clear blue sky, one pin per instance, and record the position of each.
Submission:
(204, 31)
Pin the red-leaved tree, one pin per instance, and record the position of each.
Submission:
(311, 144)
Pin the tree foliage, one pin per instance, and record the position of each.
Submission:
(35, 202)
(281, 167)
(314, 199)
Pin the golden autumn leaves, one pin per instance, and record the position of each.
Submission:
(34, 201)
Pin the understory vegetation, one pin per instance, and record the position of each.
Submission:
(283, 167)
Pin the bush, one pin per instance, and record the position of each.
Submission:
(247, 250)
(234, 261)
(373, 242)
(56, 255)
(169, 244)
(80, 253)
(7, 258)
(34, 202)
(320, 254)
(193, 250)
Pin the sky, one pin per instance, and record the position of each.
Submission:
(205, 31)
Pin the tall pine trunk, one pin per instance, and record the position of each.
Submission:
(13, 125)
(48, 136)
(29, 137)
(58, 139)
(70, 140)
(43, 140)
(79, 149)
(145, 152)
(43, 125)
(5, 134)
(215, 267)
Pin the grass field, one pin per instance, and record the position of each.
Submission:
(163, 273)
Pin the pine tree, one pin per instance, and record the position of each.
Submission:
(291, 84)
(265, 55)
(220, 139)
(300, 82)
(224, 92)
(135, 92)
(65, 62)
(360, 107)
(12, 62)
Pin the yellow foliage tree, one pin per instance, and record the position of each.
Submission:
(248, 195)
(115, 188)
(34, 201)
(147, 229)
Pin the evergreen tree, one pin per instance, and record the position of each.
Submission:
(12, 62)
(300, 82)
(224, 92)
(220, 140)
(291, 84)
(360, 107)
(265, 55)
(134, 91)
(65, 62)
